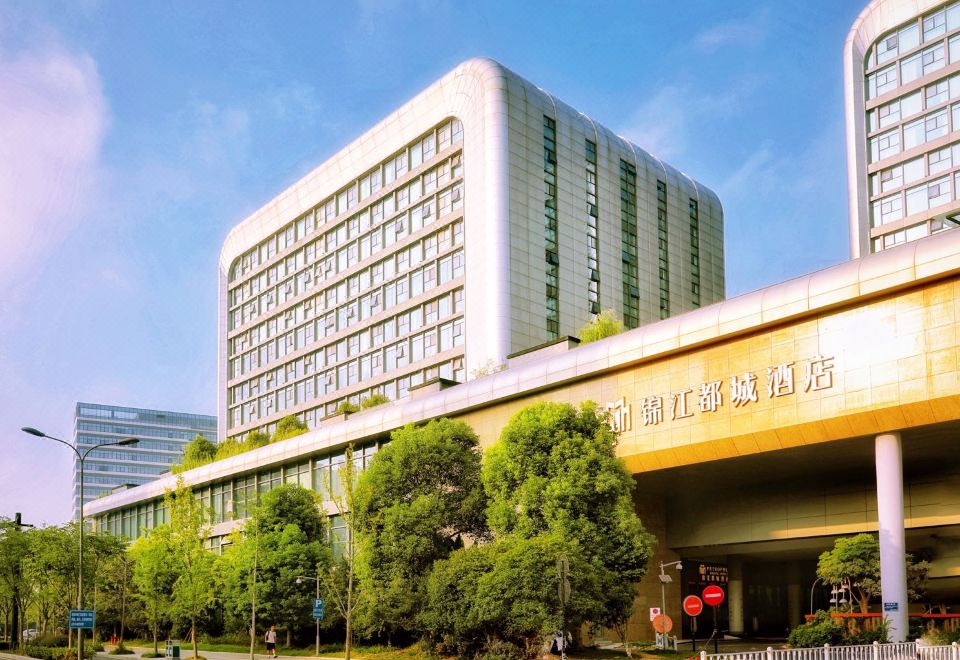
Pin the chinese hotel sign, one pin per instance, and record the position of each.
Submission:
(740, 390)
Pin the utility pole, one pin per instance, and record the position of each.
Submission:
(18, 525)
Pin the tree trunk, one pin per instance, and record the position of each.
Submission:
(288, 637)
(193, 635)
(155, 643)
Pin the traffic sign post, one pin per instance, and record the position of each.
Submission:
(713, 596)
(692, 606)
(82, 619)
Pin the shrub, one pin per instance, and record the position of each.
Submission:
(941, 637)
(151, 654)
(347, 408)
(603, 325)
(122, 650)
(820, 630)
(52, 640)
(97, 647)
(374, 400)
(56, 653)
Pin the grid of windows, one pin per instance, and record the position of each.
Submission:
(912, 125)
(550, 227)
(694, 253)
(161, 437)
(628, 239)
(663, 258)
(233, 499)
(593, 249)
(343, 302)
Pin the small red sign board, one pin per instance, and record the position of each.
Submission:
(692, 605)
(713, 595)
(658, 623)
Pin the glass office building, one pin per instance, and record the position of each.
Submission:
(482, 218)
(902, 66)
(162, 435)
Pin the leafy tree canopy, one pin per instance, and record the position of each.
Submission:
(289, 427)
(855, 561)
(198, 451)
(420, 495)
(603, 325)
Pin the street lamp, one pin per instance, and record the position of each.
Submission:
(664, 580)
(126, 442)
(300, 579)
(812, 587)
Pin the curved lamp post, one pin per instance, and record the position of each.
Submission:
(300, 580)
(127, 442)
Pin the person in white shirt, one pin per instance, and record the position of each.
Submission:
(271, 639)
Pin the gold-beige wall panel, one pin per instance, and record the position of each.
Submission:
(894, 366)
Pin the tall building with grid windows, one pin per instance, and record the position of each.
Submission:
(162, 436)
(902, 105)
(482, 218)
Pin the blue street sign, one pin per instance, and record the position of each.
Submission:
(82, 619)
(891, 607)
(318, 609)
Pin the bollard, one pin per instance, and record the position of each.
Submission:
(954, 651)
(826, 652)
(876, 650)
(769, 653)
(703, 655)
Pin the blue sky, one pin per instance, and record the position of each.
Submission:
(134, 135)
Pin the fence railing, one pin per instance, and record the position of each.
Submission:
(875, 651)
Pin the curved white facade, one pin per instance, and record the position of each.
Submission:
(902, 106)
(498, 146)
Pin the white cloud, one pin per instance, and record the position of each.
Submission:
(52, 123)
(665, 123)
(747, 31)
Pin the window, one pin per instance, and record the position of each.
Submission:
(884, 80)
(937, 93)
(934, 25)
(885, 145)
(891, 178)
(939, 160)
(933, 59)
(911, 68)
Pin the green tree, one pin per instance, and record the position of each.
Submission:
(198, 451)
(193, 590)
(51, 565)
(854, 562)
(555, 472)
(15, 548)
(341, 574)
(603, 325)
(286, 539)
(416, 502)
(289, 427)
(153, 577)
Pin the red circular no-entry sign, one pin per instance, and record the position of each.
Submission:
(713, 595)
(692, 605)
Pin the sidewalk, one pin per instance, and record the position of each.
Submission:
(186, 653)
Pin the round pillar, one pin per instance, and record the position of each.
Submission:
(893, 545)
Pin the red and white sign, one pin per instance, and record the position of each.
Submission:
(658, 624)
(713, 595)
(692, 605)
(654, 613)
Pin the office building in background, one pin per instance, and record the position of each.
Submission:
(162, 436)
(482, 218)
(902, 98)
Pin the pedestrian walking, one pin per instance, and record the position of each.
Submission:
(271, 639)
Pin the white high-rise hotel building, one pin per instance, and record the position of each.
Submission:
(902, 83)
(482, 218)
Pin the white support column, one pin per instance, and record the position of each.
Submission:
(893, 569)
(735, 594)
